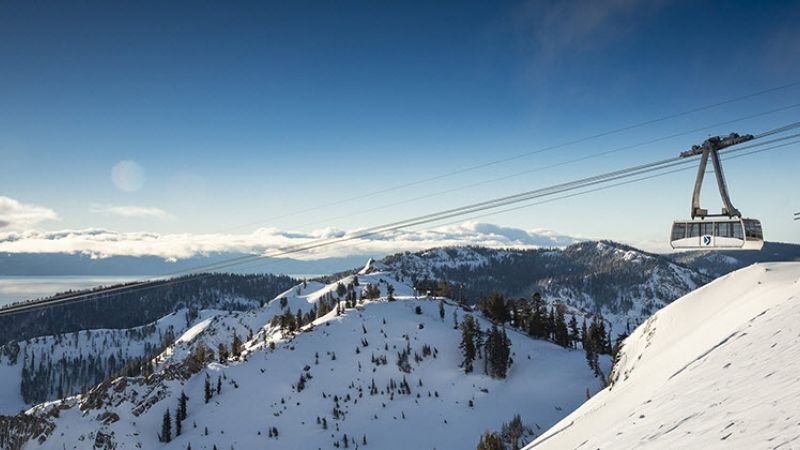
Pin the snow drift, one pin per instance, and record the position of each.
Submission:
(718, 368)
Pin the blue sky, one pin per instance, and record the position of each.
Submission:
(236, 114)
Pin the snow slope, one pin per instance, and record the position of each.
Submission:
(623, 284)
(339, 352)
(718, 368)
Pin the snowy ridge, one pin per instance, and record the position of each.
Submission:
(623, 284)
(85, 357)
(716, 369)
(92, 347)
(349, 364)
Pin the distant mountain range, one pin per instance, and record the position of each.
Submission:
(49, 264)
(712, 263)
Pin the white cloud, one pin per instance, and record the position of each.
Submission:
(131, 211)
(104, 243)
(14, 214)
(128, 176)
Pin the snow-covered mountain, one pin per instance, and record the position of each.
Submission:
(623, 284)
(716, 369)
(384, 371)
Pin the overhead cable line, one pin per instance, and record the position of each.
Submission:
(552, 166)
(635, 180)
(524, 154)
(415, 221)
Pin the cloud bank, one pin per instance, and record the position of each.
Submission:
(14, 214)
(102, 243)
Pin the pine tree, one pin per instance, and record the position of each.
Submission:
(467, 345)
(496, 308)
(180, 413)
(182, 410)
(207, 390)
(178, 423)
(584, 334)
(236, 346)
(478, 339)
(223, 352)
(497, 352)
(561, 332)
(490, 441)
(574, 332)
(513, 431)
(166, 428)
(537, 322)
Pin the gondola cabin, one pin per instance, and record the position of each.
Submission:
(724, 233)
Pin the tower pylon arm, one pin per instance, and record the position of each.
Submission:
(729, 209)
(711, 148)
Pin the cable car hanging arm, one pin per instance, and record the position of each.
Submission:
(711, 146)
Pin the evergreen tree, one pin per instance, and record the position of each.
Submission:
(467, 345)
(166, 428)
(561, 332)
(223, 352)
(478, 339)
(496, 308)
(236, 346)
(584, 334)
(340, 290)
(497, 352)
(180, 413)
(574, 332)
(490, 441)
(207, 390)
(537, 322)
(551, 324)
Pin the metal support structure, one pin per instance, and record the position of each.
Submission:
(711, 148)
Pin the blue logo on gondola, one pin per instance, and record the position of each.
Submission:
(706, 240)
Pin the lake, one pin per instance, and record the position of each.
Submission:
(15, 289)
